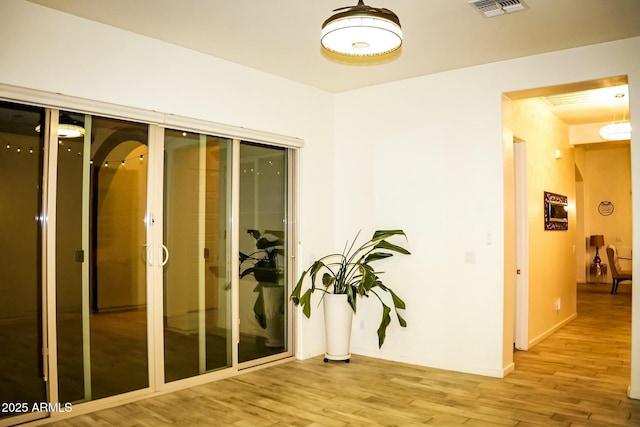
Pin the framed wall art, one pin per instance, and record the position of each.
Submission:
(556, 211)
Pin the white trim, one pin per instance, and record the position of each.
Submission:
(521, 329)
(163, 119)
(292, 244)
(202, 194)
(234, 232)
(155, 280)
(49, 208)
(86, 312)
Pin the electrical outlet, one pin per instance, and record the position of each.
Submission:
(363, 325)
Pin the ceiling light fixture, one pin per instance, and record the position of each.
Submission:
(361, 30)
(68, 127)
(617, 131)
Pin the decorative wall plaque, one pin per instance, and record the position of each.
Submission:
(605, 208)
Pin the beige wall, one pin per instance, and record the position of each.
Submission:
(606, 169)
(121, 268)
(551, 252)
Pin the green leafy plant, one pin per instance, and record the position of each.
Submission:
(351, 273)
(263, 265)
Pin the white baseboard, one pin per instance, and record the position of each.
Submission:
(550, 331)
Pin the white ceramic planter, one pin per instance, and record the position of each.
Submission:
(273, 297)
(338, 317)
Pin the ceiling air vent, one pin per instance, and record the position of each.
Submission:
(573, 98)
(491, 8)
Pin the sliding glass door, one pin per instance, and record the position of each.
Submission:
(197, 313)
(263, 243)
(101, 290)
(135, 257)
(21, 329)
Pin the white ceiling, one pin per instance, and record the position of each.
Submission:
(281, 37)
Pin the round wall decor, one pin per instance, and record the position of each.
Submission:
(605, 208)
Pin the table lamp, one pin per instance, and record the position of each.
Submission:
(596, 240)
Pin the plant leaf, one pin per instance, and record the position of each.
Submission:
(327, 280)
(376, 256)
(368, 278)
(247, 272)
(397, 301)
(305, 302)
(295, 295)
(384, 323)
(383, 244)
(401, 320)
(384, 234)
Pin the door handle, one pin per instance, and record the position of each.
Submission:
(164, 255)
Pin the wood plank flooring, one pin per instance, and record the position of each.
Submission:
(577, 377)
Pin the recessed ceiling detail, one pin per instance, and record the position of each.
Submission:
(491, 8)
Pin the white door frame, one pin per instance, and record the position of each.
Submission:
(521, 330)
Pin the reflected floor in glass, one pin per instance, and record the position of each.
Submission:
(118, 354)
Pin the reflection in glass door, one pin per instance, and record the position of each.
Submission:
(100, 259)
(93, 300)
(263, 259)
(197, 292)
(21, 160)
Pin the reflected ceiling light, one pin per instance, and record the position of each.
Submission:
(68, 127)
(617, 131)
(361, 30)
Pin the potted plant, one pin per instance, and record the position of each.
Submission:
(263, 265)
(347, 276)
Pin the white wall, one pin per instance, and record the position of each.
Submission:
(436, 145)
(51, 51)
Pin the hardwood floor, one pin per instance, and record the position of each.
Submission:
(576, 377)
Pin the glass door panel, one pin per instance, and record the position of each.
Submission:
(100, 263)
(21, 163)
(197, 297)
(71, 276)
(263, 258)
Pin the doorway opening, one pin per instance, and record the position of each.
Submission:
(567, 155)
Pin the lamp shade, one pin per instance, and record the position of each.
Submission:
(362, 30)
(596, 240)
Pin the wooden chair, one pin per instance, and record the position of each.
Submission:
(617, 273)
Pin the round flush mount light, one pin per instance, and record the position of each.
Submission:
(617, 131)
(361, 30)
